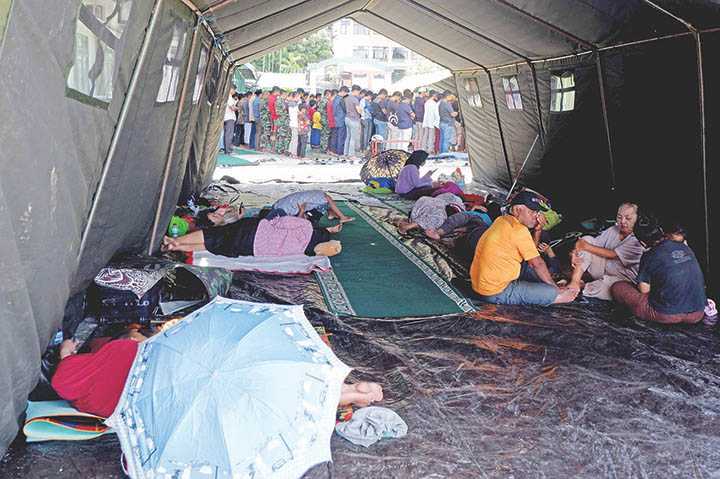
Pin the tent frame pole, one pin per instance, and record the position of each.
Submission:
(695, 32)
(173, 138)
(499, 123)
(469, 60)
(538, 105)
(119, 127)
(606, 119)
(220, 94)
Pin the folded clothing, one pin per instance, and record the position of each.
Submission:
(370, 424)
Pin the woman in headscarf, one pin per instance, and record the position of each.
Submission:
(411, 186)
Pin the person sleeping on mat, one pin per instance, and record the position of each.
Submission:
(93, 382)
(314, 203)
(441, 215)
(280, 236)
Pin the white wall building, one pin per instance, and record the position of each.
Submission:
(365, 58)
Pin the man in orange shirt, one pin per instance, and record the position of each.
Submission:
(507, 268)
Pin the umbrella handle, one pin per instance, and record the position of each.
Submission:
(123, 464)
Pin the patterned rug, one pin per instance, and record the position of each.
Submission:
(377, 276)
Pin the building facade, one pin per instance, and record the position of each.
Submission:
(365, 58)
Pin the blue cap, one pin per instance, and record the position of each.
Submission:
(529, 199)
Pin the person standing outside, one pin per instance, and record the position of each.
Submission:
(229, 121)
(255, 130)
(272, 108)
(419, 109)
(244, 118)
(405, 123)
(339, 113)
(379, 114)
(353, 113)
(316, 126)
(250, 118)
(430, 123)
(293, 114)
(303, 129)
(447, 122)
(325, 128)
(391, 110)
(366, 119)
(265, 125)
(330, 110)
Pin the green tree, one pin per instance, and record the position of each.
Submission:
(296, 57)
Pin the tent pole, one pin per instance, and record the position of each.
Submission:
(606, 121)
(173, 138)
(541, 129)
(703, 149)
(220, 96)
(703, 126)
(527, 157)
(499, 124)
(469, 60)
(154, 17)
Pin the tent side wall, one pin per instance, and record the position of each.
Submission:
(482, 131)
(652, 99)
(88, 143)
(125, 203)
(55, 133)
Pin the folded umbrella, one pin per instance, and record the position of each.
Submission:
(235, 390)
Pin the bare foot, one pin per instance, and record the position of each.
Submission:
(168, 244)
(566, 295)
(405, 226)
(346, 219)
(361, 394)
(432, 234)
(334, 229)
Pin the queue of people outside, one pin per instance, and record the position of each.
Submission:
(342, 122)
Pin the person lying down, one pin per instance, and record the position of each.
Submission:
(308, 204)
(280, 236)
(93, 382)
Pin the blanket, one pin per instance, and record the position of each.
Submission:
(297, 264)
(57, 420)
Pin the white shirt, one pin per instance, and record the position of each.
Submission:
(432, 114)
(229, 112)
(293, 114)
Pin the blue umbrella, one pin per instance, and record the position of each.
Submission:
(234, 390)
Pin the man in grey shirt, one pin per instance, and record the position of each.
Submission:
(352, 121)
(447, 122)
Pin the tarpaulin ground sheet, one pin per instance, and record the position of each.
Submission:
(377, 276)
(563, 392)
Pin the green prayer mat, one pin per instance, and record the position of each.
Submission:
(229, 160)
(376, 276)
